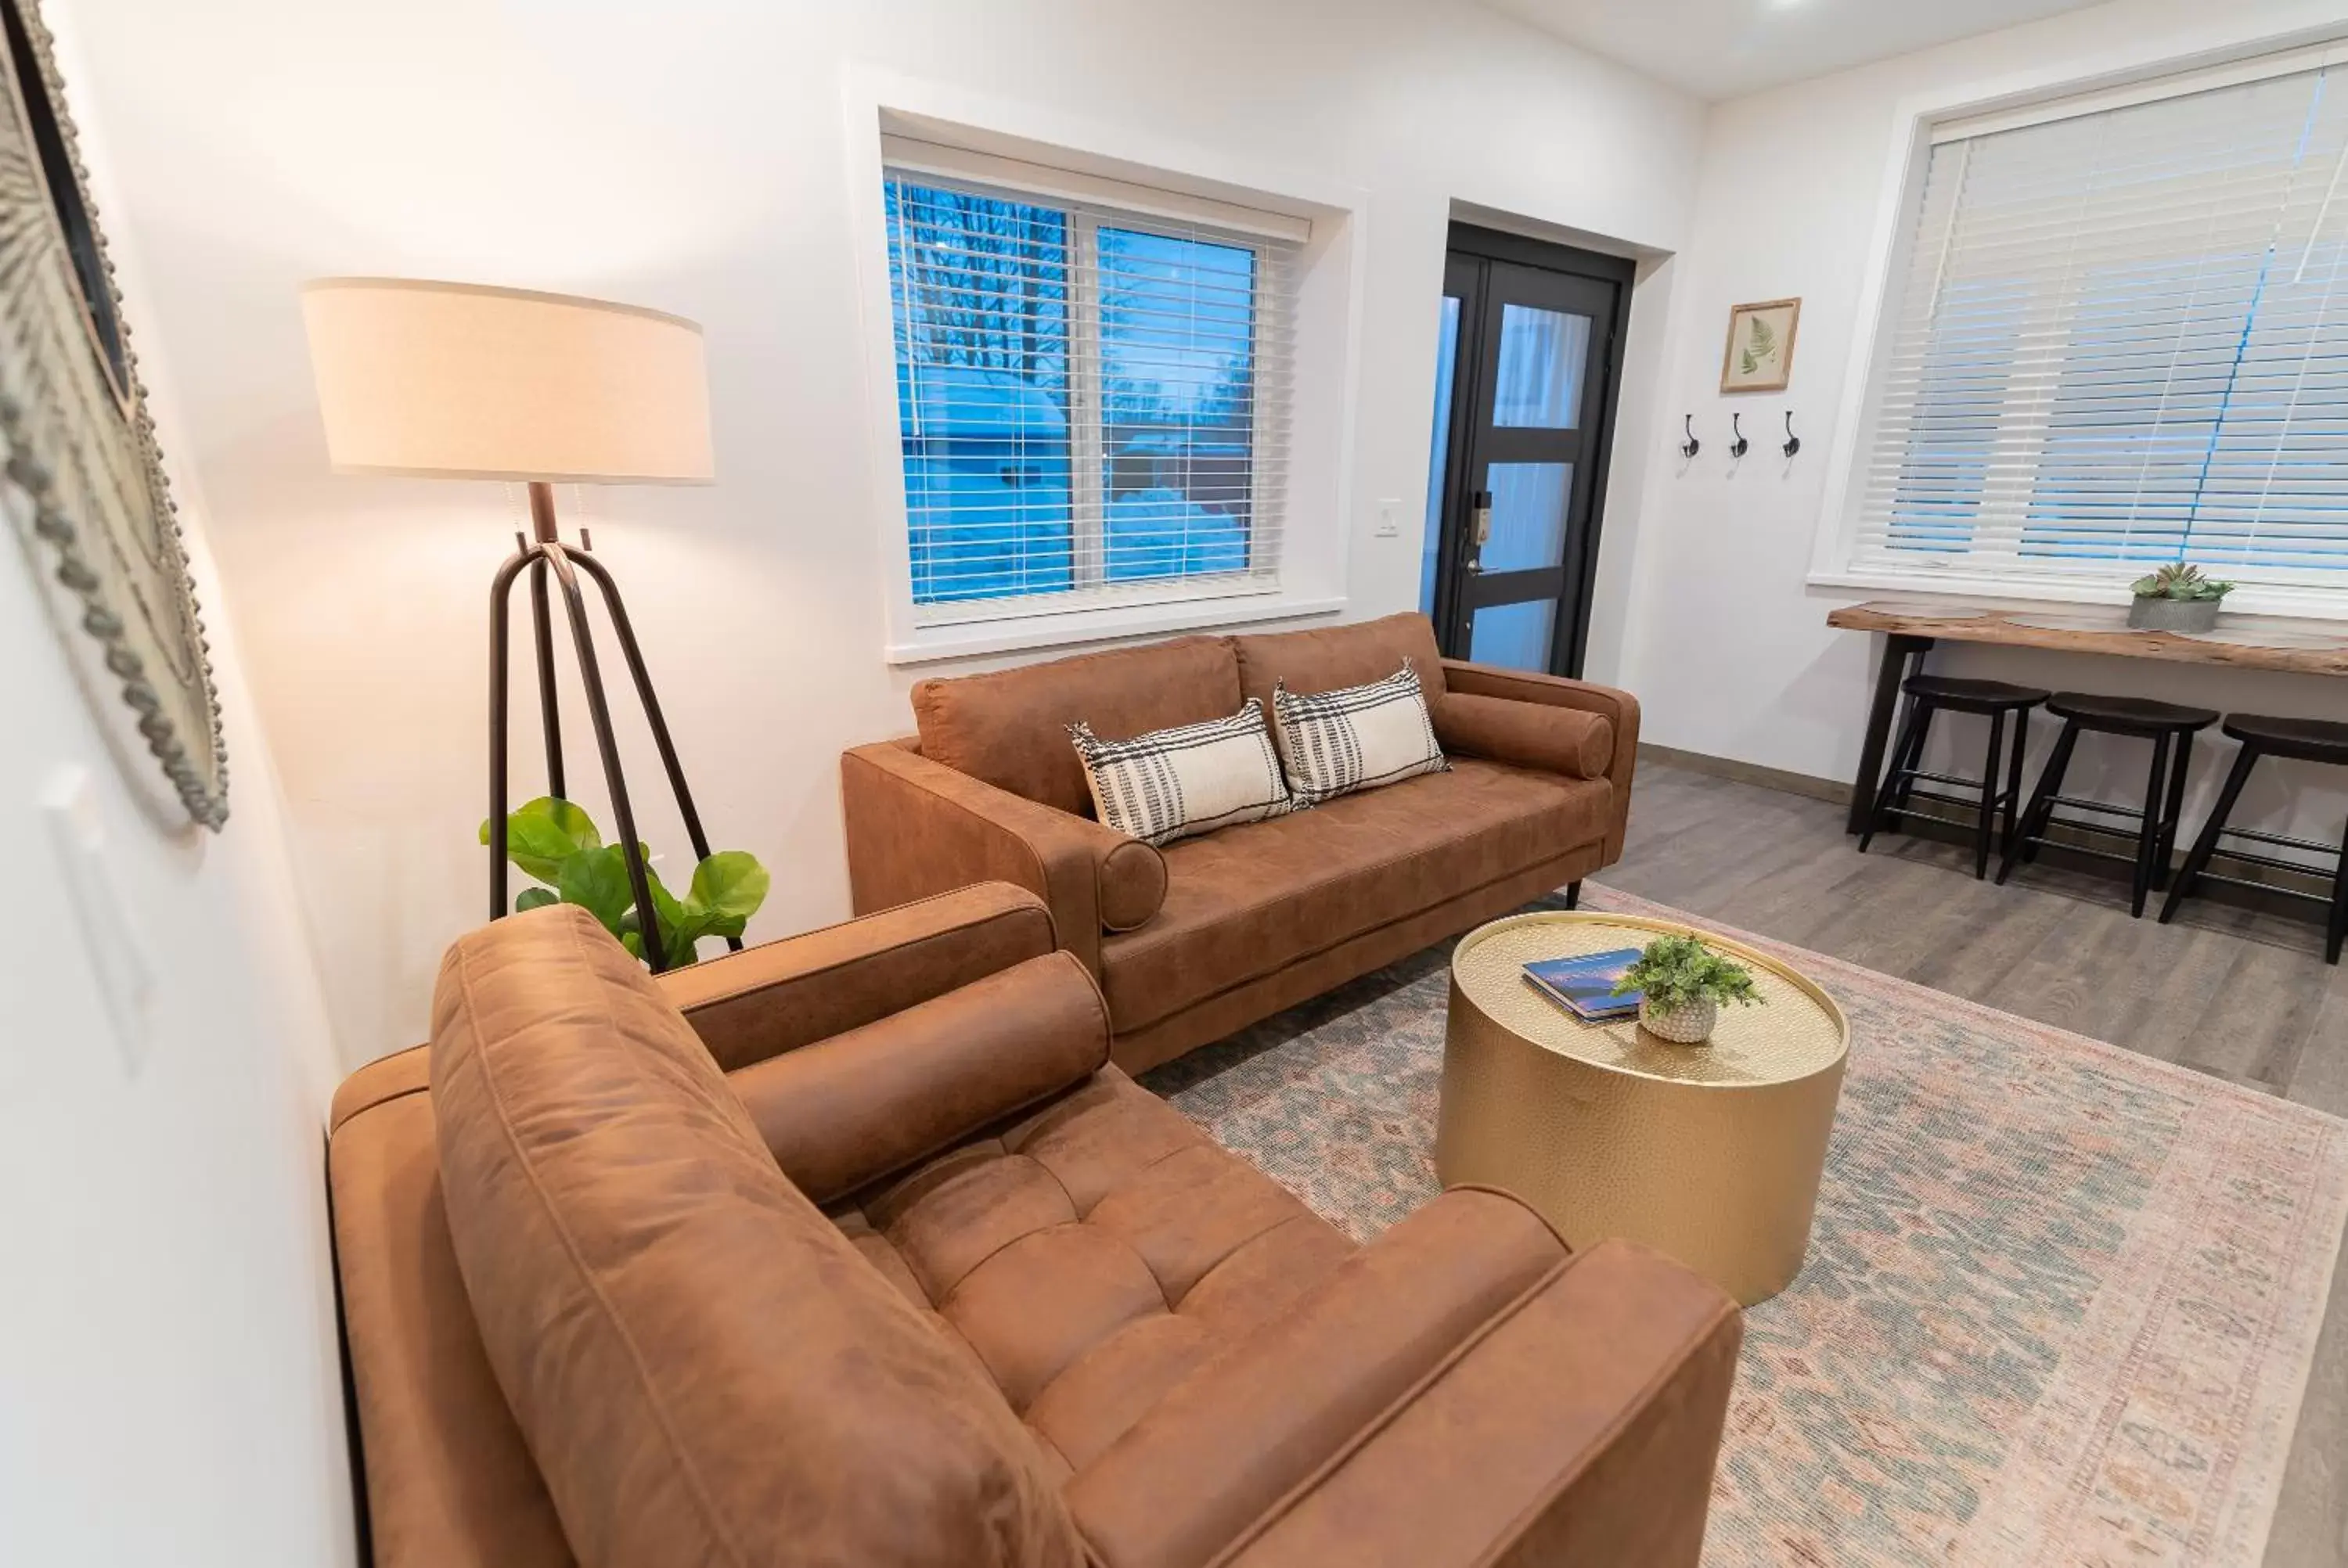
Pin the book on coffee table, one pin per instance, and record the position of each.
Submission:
(1584, 985)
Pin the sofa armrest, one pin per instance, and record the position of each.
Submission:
(1579, 1430)
(779, 996)
(844, 1112)
(915, 826)
(1618, 708)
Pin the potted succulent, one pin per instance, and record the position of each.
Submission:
(2177, 598)
(1685, 983)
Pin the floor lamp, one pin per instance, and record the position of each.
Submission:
(455, 381)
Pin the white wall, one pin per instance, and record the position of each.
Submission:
(689, 156)
(169, 1386)
(1730, 652)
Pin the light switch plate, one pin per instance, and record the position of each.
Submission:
(119, 959)
(1389, 519)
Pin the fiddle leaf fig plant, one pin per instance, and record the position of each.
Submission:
(556, 843)
(1677, 971)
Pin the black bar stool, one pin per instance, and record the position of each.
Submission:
(2170, 729)
(2309, 740)
(1927, 695)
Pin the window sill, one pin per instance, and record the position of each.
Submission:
(2251, 598)
(1103, 623)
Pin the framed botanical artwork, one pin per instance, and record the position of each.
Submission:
(1760, 352)
(80, 477)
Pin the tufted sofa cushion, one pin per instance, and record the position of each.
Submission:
(1092, 1255)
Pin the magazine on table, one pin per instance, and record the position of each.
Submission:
(1584, 984)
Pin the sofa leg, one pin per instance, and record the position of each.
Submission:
(1573, 894)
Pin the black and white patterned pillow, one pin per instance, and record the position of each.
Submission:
(1335, 742)
(1193, 778)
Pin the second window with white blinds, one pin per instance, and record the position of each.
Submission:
(2120, 337)
(1092, 400)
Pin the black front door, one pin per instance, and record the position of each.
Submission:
(1531, 353)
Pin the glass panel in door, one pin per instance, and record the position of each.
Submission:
(1446, 362)
(1516, 636)
(1542, 353)
(1528, 502)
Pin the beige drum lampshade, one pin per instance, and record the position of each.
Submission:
(462, 382)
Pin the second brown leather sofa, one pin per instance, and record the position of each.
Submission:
(853, 1249)
(1198, 939)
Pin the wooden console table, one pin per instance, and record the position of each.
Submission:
(1911, 628)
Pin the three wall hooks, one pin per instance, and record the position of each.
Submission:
(1739, 445)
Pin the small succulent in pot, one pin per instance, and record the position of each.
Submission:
(1685, 983)
(2177, 598)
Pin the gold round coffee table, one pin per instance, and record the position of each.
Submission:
(1711, 1153)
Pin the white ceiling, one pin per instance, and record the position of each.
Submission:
(1725, 49)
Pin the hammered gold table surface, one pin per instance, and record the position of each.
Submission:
(1709, 1153)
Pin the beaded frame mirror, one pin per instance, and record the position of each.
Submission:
(81, 464)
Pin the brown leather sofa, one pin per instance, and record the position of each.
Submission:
(1207, 936)
(853, 1249)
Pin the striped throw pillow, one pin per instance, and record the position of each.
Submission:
(1335, 742)
(1193, 778)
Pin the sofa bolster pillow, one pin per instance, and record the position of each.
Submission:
(695, 1354)
(1565, 740)
(854, 1108)
(1132, 885)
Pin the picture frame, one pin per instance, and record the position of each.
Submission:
(1759, 353)
(81, 478)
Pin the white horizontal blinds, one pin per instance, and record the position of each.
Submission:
(2121, 337)
(1093, 402)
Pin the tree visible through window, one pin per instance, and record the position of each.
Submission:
(1078, 396)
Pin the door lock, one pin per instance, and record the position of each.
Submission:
(1480, 532)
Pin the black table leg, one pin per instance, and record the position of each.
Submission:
(1898, 648)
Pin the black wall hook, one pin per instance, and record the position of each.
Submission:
(1739, 447)
(1792, 442)
(1689, 448)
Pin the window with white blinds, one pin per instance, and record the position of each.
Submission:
(2119, 336)
(1093, 400)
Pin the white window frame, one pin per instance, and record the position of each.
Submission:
(2121, 76)
(920, 126)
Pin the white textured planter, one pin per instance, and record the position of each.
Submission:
(1688, 1025)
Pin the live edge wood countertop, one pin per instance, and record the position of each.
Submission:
(2242, 642)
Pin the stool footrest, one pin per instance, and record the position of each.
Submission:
(2256, 885)
(1956, 800)
(2273, 861)
(1940, 778)
(2107, 807)
(2040, 837)
(2284, 840)
(2088, 850)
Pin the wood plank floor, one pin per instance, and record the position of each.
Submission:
(2237, 994)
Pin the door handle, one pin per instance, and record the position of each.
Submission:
(1480, 527)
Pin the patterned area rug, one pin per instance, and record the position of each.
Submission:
(2060, 1303)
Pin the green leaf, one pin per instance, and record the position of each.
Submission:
(530, 898)
(597, 881)
(543, 834)
(729, 886)
(1760, 345)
